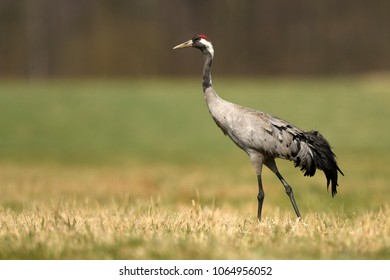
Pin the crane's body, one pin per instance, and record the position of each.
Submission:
(252, 130)
(264, 137)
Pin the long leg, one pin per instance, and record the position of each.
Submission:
(257, 162)
(260, 197)
(272, 165)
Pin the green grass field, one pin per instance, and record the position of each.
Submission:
(136, 169)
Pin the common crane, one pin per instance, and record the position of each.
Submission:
(264, 137)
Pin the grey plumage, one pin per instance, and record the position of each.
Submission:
(264, 137)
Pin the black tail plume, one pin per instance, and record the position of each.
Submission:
(323, 158)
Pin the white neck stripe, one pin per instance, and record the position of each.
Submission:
(208, 46)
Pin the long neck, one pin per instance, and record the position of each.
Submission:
(208, 60)
(216, 105)
(212, 99)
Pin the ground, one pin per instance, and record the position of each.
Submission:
(138, 170)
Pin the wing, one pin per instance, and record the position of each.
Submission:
(255, 130)
(271, 135)
(287, 138)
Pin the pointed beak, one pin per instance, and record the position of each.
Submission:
(184, 45)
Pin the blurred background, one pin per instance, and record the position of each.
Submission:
(92, 82)
(96, 38)
(95, 106)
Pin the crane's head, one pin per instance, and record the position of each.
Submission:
(200, 42)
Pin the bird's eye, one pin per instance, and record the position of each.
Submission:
(195, 39)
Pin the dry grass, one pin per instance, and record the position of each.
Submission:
(141, 171)
(50, 212)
